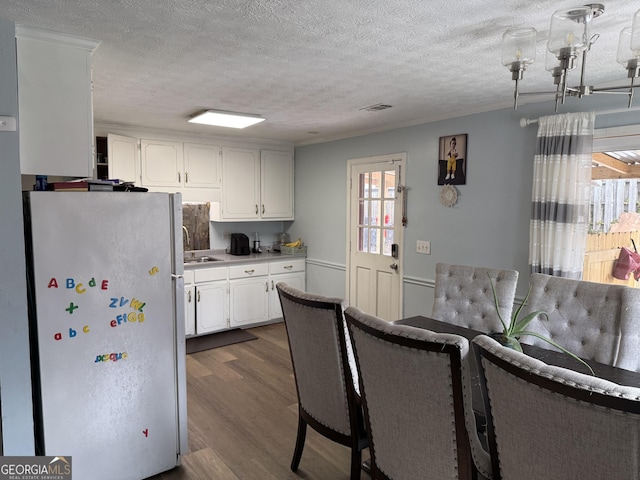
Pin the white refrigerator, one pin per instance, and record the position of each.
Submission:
(106, 309)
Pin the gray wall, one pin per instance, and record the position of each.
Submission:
(15, 375)
(488, 227)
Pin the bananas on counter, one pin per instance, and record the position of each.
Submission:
(297, 243)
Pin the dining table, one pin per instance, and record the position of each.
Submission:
(548, 356)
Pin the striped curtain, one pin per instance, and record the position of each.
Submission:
(560, 197)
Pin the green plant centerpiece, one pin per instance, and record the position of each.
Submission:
(516, 328)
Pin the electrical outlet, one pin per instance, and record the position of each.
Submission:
(226, 235)
(423, 246)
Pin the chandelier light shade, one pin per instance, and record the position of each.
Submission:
(551, 62)
(519, 46)
(635, 33)
(570, 40)
(570, 31)
(625, 54)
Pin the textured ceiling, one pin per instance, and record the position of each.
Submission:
(309, 66)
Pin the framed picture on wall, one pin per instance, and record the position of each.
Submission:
(452, 160)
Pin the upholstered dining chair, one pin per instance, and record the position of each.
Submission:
(596, 321)
(415, 389)
(549, 422)
(463, 296)
(327, 398)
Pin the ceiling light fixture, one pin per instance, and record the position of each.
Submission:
(569, 36)
(219, 118)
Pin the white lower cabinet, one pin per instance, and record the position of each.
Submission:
(211, 315)
(248, 294)
(291, 272)
(207, 301)
(225, 297)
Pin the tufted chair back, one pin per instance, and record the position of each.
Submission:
(548, 422)
(463, 296)
(595, 321)
(327, 398)
(416, 393)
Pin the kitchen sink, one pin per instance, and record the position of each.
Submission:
(205, 259)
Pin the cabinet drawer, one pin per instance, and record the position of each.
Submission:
(286, 266)
(247, 271)
(188, 277)
(210, 274)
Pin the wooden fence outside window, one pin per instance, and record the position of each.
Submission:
(602, 252)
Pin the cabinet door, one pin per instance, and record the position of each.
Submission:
(55, 103)
(189, 310)
(211, 312)
(240, 183)
(162, 164)
(123, 158)
(248, 301)
(295, 280)
(276, 185)
(202, 165)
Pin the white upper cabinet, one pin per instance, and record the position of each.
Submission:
(165, 165)
(276, 185)
(123, 159)
(256, 185)
(161, 164)
(240, 183)
(202, 165)
(175, 165)
(55, 103)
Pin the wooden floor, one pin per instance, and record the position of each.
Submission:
(242, 411)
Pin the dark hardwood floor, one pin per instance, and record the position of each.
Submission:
(242, 411)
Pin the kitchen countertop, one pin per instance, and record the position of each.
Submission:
(225, 259)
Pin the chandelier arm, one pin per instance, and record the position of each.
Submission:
(548, 92)
(564, 93)
(582, 70)
(618, 87)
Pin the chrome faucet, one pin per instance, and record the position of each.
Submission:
(187, 232)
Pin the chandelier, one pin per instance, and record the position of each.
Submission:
(569, 37)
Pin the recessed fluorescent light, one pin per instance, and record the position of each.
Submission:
(226, 119)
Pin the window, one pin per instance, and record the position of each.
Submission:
(376, 214)
(614, 211)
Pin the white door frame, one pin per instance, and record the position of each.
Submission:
(397, 159)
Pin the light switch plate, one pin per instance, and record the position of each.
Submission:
(7, 124)
(423, 246)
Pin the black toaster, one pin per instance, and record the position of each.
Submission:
(239, 244)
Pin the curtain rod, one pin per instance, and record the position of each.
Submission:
(524, 122)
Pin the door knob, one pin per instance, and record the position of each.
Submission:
(393, 266)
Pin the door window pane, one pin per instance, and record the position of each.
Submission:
(388, 213)
(376, 184)
(362, 212)
(376, 204)
(365, 239)
(388, 240)
(375, 213)
(390, 184)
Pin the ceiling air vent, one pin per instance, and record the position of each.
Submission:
(377, 107)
